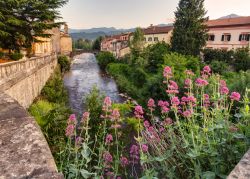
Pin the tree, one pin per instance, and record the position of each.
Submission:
(97, 43)
(22, 21)
(137, 44)
(190, 31)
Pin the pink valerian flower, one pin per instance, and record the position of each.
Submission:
(189, 72)
(115, 115)
(172, 88)
(72, 119)
(116, 126)
(161, 129)
(70, 130)
(188, 83)
(106, 104)
(167, 72)
(151, 104)
(224, 90)
(146, 124)
(164, 106)
(175, 101)
(201, 82)
(138, 112)
(144, 148)
(110, 175)
(134, 153)
(235, 96)
(124, 162)
(206, 72)
(85, 116)
(206, 100)
(223, 83)
(168, 121)
(78, 141)
(153, 133)
(107, 157)
(109, 139)
(187, 113)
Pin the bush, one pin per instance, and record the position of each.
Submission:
(64, 63)
(241, 60)
(217, 54)
(16, 56)
(104, 58)
(219, 67)
(1, 54)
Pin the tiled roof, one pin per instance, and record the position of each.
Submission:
(237, 21)
(157, 30)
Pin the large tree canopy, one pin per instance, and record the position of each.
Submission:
(190, 31)
(23, 20)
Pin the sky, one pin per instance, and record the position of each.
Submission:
(84, 14)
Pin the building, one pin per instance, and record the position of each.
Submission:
(229, 34)
(154, 34)
(60, 42)
(117, 44)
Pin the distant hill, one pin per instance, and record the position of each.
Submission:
(230, 16)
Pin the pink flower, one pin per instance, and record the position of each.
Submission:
(109, 139)
(206, 100)
(189, 72)
(72, 119)
(207, 69)
(107, 104)
(115, 114)
(188, 83)
(165, 109)
(139, 112)
(78, 141)
(70, 130)
(235, 96)
(224, 90)
(163, 103)
(167, 72)
(172, 87)
(146, 124)
(201, 82)
(107, 157)
(85, 116)
(187, 113)
(223, 83)
(124, 161)
(134, 153)
(151, 104)
(168, 121)
(144, 148)
(175, 101)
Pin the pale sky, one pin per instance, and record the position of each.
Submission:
(83, 14)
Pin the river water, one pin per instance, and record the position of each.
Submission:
(83, 76)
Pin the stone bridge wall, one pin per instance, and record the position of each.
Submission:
(23, 80)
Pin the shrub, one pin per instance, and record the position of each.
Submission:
(217, 54)
(1, 54)
(64, 63)
(104, 58)
(16, 56)
(219, 67)
(241, 59)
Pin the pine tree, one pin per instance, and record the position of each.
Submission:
(19, 19)
(190, 31)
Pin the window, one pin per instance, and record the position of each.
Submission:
(156, 39)
(150, 39)
(211, 37)
(226, 37)
(244, 37)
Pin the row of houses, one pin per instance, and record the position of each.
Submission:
(227, 34)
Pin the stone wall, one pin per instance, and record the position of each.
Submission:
(24, 152)
(23, 80)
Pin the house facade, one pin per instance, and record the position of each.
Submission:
(155, 34)
(229, 34)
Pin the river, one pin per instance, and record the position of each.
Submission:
(83, 76)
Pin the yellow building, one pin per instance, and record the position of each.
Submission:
(154, 34)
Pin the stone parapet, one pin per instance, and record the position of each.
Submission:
(24, 152)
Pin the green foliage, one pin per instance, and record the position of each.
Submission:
(19, 18)
(180, 63)
(1, 54)
(218, 55)
(16, 56)
(155, 56)
(190, 32)
(241, 59)
(97, 44)
(64, 63)
(54, 90)
(104, 58)
(136, 45)
(219, 67)
(82, 44)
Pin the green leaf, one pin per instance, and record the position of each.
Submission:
(208, 175)
(86, 174)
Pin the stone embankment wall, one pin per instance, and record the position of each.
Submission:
(24, 152)
(23, 80)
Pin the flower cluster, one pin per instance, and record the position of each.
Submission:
(139, 112)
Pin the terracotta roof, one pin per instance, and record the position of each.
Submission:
(157, 30)
(237, 21)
